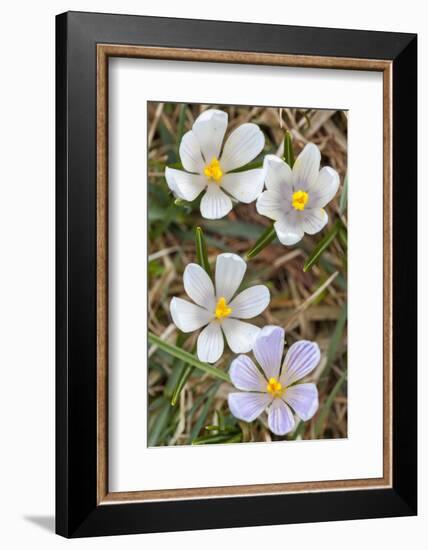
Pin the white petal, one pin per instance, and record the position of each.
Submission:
(215, 204)
(188, 317)
(244, 186)
(248, 406)
(245, 375)
(190, 153)
(199, 286)
(268, 349)
(209, 128)
(303, 399)
(306, 168)
(301, 359)
(288, 229)
(278, 176)
(242, 146)
(239, 335)
(229, 272)
(280, 418)
(272, 205)
(210, 343)
(186, 186)
(324, 189)
(313, 220)
(250, 302)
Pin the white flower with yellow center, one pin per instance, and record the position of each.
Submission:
(295, 198)
(273, 387)
(218, 309)
(207, 166)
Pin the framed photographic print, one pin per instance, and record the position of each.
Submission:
(236, 274)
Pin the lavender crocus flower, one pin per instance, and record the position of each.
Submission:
(272, 387)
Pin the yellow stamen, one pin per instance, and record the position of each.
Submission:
(274, 387)
(213, 170)
(299, 200)
(222, 309)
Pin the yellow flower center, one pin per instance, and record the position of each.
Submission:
(299, 200)
(274, 387)
(222, 309)
(213, 170)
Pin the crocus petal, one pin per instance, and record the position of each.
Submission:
(250, 302)
(306, 168)
(313, 220)
(272, 205)
(215, 204)
(301, 359)
(278, 176)
(324, 188)
(268, 349)
(186, 186)
(188, 317)
(244, 186)
(199, 286)
(303, 399)
(242, 146)
(288, 229)
(190, 153)
(245, 375)
(209, 128)
(229, 272)
(239, 335)
(210, 343)
(280, 418)
(248, 406)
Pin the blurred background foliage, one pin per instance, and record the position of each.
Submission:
(186, 405)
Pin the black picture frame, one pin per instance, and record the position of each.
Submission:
(78, 513)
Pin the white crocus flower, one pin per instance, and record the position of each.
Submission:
(295, 198)
(217, 309)
(208, 168)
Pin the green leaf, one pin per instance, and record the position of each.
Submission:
(262, 242)
(220, 438)
(335, 341)
(323, 244)
(201, 250)
(327, 405)
(250, 166)
(187, 357)
(288, 149)
(159, 424)
(344, 196)
(180, 127)
(185, 375)
(210, 395)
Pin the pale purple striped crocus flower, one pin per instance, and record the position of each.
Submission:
(272, 387)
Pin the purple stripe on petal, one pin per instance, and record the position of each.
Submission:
(303, 399)
(280, 419)
(248, 406)
(245, 375)
(301, 359)
(268, 350)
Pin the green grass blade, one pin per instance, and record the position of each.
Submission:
(184, 377)
(328, 403)
(288, 149)
(343, 197)
(180, 126)
(159, 424)
(262, 242)
(334, 343)
(187, 358)
(324, 243)
(201, 250)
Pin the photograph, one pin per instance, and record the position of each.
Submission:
(247, 274)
